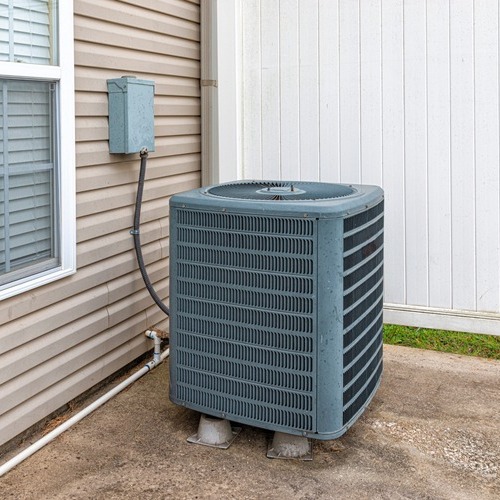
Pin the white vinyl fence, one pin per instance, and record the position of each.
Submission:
(399, 93)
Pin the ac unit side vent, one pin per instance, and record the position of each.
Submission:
(364, 236)
(360, 402)
(283, 226)
(271, 338)
(266, 261)
(358, 375)
(362, 218)
(364, 287)
(294, 323)
(257, 356)
(284, 302)
(356, 359)
(360, 308)
(353, 277)
(363, 324)
(267, 395)
(253, 412)
(201, 273)
(358, 256)
(273, 376)
(258, 243)
(246, 315)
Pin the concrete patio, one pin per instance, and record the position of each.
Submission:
(432, 431)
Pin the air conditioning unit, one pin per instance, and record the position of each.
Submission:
(276, 303)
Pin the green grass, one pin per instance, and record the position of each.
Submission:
(485, 346)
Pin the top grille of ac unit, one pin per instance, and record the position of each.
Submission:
(276, 304)
(281, 191)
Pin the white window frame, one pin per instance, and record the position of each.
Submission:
(64, 74)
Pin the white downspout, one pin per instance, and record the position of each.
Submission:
(209, 94)
(221, 108)
(158, 358)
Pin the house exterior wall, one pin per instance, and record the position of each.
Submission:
(399, 93)
(63, 338)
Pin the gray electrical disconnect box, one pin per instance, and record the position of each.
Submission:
(131, 114)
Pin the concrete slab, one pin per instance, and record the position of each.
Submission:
(432, 431)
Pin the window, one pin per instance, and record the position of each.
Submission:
(37, 193)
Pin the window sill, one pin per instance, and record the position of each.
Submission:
(36, 281)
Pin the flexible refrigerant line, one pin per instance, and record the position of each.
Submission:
(135, 232)
(157, 359)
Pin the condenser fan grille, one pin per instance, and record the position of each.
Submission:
(281, 191)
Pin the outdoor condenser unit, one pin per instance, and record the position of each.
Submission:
(276, 303)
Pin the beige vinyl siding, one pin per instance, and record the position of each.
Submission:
(59, 340)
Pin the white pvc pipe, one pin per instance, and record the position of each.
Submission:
(151, 334)
(80, 415)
